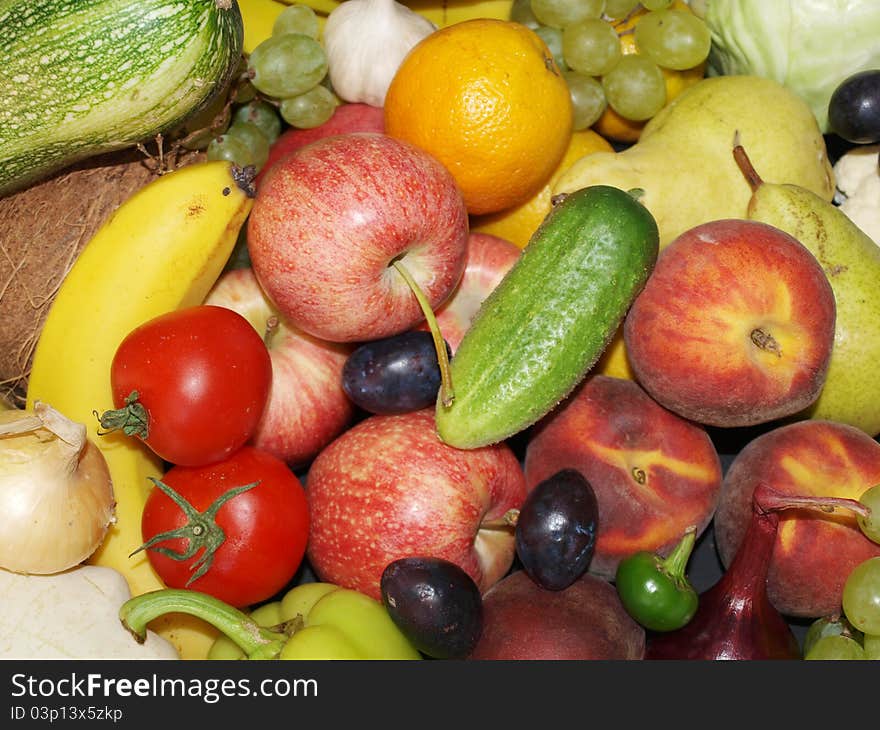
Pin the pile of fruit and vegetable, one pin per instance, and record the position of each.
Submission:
(446, 330)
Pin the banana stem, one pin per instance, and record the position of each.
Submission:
(447, 394)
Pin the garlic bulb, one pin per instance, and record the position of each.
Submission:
(365, 41)
(56, 496)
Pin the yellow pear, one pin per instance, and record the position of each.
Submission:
(682, 160)
(851, 261)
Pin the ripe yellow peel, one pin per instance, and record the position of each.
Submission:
(161, 250)
(439, 12)
(258, 18)
(517, 224)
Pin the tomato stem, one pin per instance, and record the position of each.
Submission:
(201, 530)
(132, 418)
(257, 642)
(447, 394)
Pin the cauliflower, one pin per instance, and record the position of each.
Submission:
(857, 175)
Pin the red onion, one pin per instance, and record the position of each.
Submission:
(735, 619)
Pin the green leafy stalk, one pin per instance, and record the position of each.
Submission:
(254, 640)
(201, 530)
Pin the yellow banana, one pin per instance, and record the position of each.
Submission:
(259, 16)
(162, 249)
(440, 12)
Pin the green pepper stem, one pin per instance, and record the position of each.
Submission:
(676, 562)
(447, 394)
(254, 640)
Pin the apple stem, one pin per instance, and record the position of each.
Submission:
(745, 164)
(508, 519)
(271, 329)
(447, 394)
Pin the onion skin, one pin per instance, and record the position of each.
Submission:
(735, 619)
(56, 495)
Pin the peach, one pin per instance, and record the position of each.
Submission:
(813, 553)
(521, 620)
(654, 473)
(735, 325)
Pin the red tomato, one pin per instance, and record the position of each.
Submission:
(265, 528)
(201, 373)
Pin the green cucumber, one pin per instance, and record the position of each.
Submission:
(83, 77)
(549, 319)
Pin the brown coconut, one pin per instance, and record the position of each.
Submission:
(43, 228)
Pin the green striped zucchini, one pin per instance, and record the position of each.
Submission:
(550, 318)
(82, 77)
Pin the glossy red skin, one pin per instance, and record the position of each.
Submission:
(266, 527)
(329, 220)
(489, 258)
(307, 405)
(812, 554)
(614, 433)
(388, 488)
(352, 117)
(687, 334)
(203, 374)
(522, 621)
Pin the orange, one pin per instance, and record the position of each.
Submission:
(485, 97)
(613, 126)
(517, 224)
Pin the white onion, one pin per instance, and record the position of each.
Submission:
(56, 496)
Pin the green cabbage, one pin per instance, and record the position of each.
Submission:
(809, 46)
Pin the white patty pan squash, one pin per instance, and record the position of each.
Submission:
(71, 615)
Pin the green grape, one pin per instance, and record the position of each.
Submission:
(617, 9)
(870, 526)
(838, 647)
(673, 39)
(257, 142)
(310, 109)
(871, 644)
(591, 47)
(656, 4)
(829, 626)
(635, 87)
(263, 114)
(521, 12)
(287, 65)
(296, 19)
(560, 13)
(552, 37)
(587, 99)
(861, 596)
(229, 147)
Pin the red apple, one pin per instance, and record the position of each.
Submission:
(307, 406)
(353, 117)
(330, 220)
(735, 325)
(388, 488)
(489, 258)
